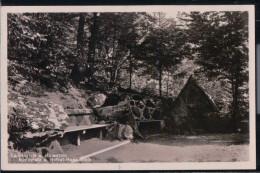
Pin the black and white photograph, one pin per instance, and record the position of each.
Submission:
(137, 87)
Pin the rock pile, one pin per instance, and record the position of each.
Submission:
(143, 107)
(32, 123)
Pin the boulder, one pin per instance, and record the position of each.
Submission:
(119, 131)
(114, 99)
(63, 90)
(55, 148)
(96, 100)
(121, 114)
(113, 113)
(34, 122)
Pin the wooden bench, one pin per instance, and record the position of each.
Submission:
(149, 126)
(82, 128)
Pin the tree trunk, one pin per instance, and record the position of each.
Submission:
(80, 36)
(160, 79)
(234, 104)
(130, 71)
(93, 39)
(80, 48)
(114, 76)
(92, 47)
(167, 92)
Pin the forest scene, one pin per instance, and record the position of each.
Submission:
(167, 79)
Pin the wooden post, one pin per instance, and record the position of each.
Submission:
(160, 126)
(78, 139)
(100, 133)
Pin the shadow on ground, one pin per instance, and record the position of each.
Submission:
(183, 140)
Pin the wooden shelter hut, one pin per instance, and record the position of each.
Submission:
(191, 111)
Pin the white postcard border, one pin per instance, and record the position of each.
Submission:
(251, 164)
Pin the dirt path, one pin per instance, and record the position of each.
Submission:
(167, 148)
(87, 147)
(146, 152)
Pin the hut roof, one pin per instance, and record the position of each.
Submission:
(207, 96)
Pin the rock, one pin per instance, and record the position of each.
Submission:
(139, 104)
(63, 89)
(119, 131)
(32, 122)
(19, 85)
(149, 103)
(56, 85)
(102, 122)
(55, 148)
(137, 112)
(28, 89)
(147, 114)
(151, 110)
(96, 100)
(120, 113)
(127, 132)
(114, 113)
(69, 86)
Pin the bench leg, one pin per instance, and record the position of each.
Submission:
(100, 133)
(78, 139)
(160, 126)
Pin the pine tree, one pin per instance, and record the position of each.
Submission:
(221, 47)
(164, 46)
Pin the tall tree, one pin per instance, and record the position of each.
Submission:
(221, 45)
(164, 46)
(43, 44)
(138, 25)
(118, 33)
(93, 27)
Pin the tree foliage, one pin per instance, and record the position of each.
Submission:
(104, 50)
(164, 46)
(41, 43)
(220, 43)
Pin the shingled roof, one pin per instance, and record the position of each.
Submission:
(207, 96)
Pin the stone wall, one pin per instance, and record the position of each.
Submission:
(143, 107)
(128, 109)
